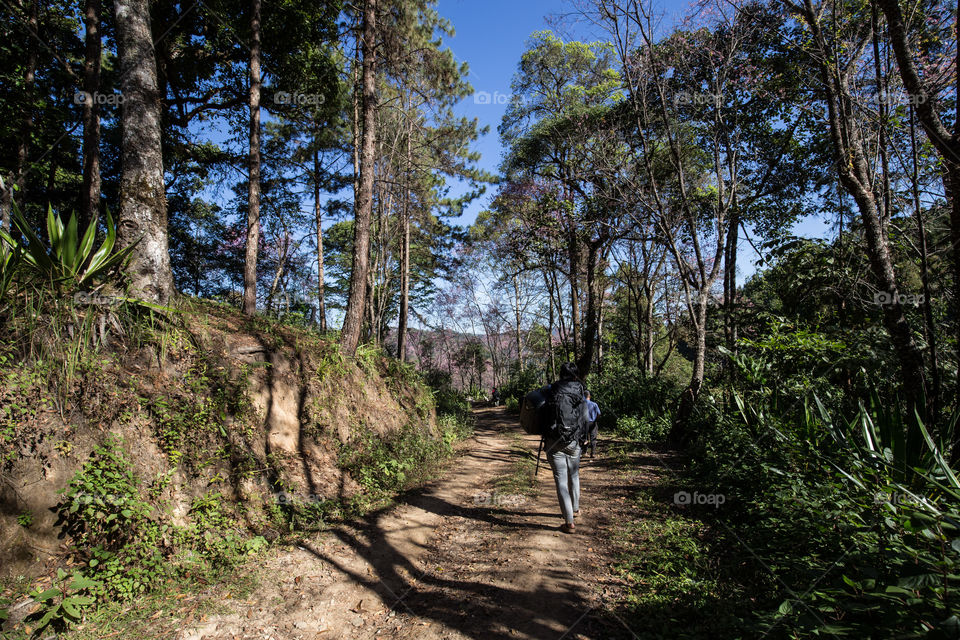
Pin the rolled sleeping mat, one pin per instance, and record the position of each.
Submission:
(533, 402)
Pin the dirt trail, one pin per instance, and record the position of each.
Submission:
(452, 560)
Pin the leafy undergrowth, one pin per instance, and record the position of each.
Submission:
(684, 577)
(796, 529)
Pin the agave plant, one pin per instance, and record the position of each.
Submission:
(11, 257)
(68, 261)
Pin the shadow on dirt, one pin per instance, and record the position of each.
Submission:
(481, 607)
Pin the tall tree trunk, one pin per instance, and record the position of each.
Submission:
(318, 217)
(557, 298)
(26, 123)
(353, 318)
(679, 434)
(253, 169)
(90, 190)
(517, 318)
(600, 318)
(885, 206)
(730, 287)
(585, 361)
(573, 251)
(143, 203)
(550, 323)
(930, 332)
(648, 310)
(405, 257)
(945, 142)
(404, 288)
(854, 174)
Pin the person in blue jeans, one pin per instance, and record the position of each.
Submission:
(593, 412)
(564, 457)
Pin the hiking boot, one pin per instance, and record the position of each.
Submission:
(568, 528)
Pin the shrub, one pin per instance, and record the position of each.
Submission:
(626, 392)
(102, 506)
(643, 429)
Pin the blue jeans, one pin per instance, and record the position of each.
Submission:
(565, 462)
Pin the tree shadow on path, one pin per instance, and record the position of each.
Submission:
(493, 599)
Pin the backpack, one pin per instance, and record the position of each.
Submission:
(531, 412)
(566, 412)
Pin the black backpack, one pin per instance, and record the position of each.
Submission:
(566, 410)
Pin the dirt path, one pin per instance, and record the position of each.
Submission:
(456, 559)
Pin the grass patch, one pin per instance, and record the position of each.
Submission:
(680, 573)
(520, 478)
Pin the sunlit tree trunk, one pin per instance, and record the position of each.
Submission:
(318, 218)
(854, 173)
(143, 204)
(930, 330)
(405, 256)
(253, 172)
(353, 318)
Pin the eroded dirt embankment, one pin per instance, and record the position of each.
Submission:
(238, 408)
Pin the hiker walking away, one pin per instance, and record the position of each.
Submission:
(593, 412)
(495, 397)
(561, 440)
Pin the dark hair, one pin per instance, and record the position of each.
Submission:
(568, 371)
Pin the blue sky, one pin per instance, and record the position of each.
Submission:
(490, 36)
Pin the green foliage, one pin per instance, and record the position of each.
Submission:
(449, 401)
(676, 588)
(446, 398)
(851, 522)
(643, 429)
(127, 550)
(187, 420)
(367, 357)
(630, 401)
(64, 605)
(331, 361)
(11, 259)
(385, 464)
(25, 519)
(512, 405)
(102, 506)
